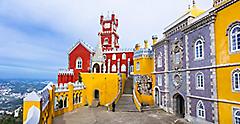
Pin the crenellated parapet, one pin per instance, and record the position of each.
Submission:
(51, 101)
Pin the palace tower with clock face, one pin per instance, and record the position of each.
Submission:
(108, 33)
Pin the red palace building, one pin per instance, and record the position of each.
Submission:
(107, 57)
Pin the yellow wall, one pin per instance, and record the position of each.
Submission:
(107, 84)
(226, 112)
(27, 105)
(146, 66)
(224, 18)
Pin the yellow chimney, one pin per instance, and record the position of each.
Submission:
(145, 44)
(154, 39)
(137, 47)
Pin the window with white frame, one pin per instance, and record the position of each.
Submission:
(159, 80)
(114, 57)
(124, 56)
(200, 80)
(105, 41)
(138, 66)
(199, 50)
(236, 79)
(114, 68)
(235, 38)
(123, 68)
(79, 63)
(159, 60)
(237, 117)
(200, 109)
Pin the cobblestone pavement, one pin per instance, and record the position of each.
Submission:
(87, 115)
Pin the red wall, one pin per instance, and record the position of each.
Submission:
(85, 54)
(119, 56)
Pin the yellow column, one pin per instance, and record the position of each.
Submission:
(31, 100)
(70, 97)
(51, 104)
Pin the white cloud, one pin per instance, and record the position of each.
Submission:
(79, 19)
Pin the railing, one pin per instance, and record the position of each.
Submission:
(109, 105)
(136, 102)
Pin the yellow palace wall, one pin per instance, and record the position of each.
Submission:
(146, 68)
(107, 84)
(224, 19)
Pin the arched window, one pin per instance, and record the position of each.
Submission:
(79, 63)
(200, 109)
(199, 50)
(237, 117)
(200, 80)
(124, 56)
(114, 57)
(105, 41)
(159, 60)
(236, 79)
(138, 66)
(235, 38)
(123, 68)
(114, 68)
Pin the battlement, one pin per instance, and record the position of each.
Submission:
(120, 50)
(65, 72)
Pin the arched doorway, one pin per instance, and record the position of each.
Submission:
(96, 94)
(179, 105)
(96, 68)
(157, 97)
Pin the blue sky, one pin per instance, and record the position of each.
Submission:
(35, 35)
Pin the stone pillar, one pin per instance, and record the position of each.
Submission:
(70, 97)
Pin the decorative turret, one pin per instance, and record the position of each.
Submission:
(145, 44)
(154, 39)
(108, 33)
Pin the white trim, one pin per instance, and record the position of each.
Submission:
(214, 100)
(237, 70)
(114, 57)
(196, 80)
(198, 52)
(230, 39)
(124, 56)
(199, 68)
(123, 68)
(234, 115)
(89, 48)
(159, 60)
(114, 68)
(137, 66)
(79, 65)
(202, 110)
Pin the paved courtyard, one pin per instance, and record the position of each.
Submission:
(87, 115)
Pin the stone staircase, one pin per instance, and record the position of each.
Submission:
(125, 103)
(150, 108)
(128, 88)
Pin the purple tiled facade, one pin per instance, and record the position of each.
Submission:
(178, 92)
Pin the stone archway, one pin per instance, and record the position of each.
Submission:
(96, 68)
(157, 103)
(179, 105)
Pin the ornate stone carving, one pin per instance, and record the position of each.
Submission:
(177, 54)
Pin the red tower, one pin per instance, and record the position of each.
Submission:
(108, 34)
